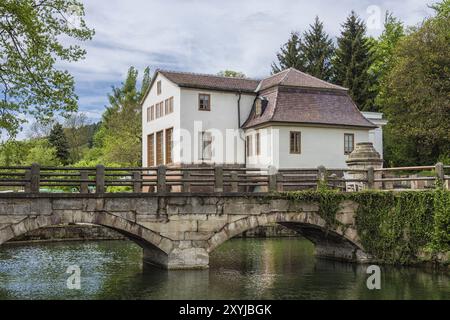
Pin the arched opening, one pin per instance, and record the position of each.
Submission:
(69, 232)
(328, 242)
(152, 243)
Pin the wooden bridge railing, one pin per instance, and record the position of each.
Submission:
(162, 179)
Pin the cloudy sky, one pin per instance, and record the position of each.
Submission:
(207, 36)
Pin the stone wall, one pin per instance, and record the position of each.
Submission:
(69, 233)
(178, 231)
(83, 232)
(272, 231)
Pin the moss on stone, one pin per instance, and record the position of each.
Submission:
(396, 227)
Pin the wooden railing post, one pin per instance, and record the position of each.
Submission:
(27, 177)
(273, 175)
(100, 179)
(35, 178)
(280, 182)
(186, 183)
(84, 186)
(321, 176)
(440, 174)
(218, 179)
(161, 179)
(234, 183)
(370, 178)
(137, 183)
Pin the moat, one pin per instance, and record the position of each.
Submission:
(281, 268)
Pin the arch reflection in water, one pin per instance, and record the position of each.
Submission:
(240, 269)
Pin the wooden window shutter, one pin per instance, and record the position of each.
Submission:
(159, 148)
(150, 150)
(169, 145)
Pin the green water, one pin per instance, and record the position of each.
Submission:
(239, 269)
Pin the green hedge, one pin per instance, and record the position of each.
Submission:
(393, 226)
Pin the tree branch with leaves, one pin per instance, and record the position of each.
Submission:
(30, 48)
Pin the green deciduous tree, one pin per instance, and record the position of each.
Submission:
(43, 153)
(418, 94)
(77, 130)
(58, 140)
(383, 50)
(31, 44)
(318, 50)
(442, 9)
(231, 74)
(352, 62)
(13, 153)
(119, 139)
(290, 55)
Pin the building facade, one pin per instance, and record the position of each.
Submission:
(289, 120)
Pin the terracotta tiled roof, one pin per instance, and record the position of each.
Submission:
(293, 97)
(309, 106)
(294, 78)
(207, 81)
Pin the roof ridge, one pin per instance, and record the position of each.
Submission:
(323, 81)
(205, 74)
(269, 77)
(288, 70)
(276, 74)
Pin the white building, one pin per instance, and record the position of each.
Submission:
(288, 120)
(376, 135)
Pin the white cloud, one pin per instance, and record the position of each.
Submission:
(204, 35)
(207, 36)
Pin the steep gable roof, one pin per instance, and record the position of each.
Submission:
(292, 97)
(207, 81)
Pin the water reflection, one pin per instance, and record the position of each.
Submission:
(240, 269)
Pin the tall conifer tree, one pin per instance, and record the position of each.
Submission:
(58, 140)
(290, 55)
(120, 134)
(318, 51)
(352, 62)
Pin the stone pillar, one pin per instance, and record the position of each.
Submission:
(363, 157)
(178, 258)
(188, 258)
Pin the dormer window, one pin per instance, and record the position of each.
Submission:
(258, 107)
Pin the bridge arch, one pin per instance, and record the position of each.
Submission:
(144, 237)
(337, 243)
(179, 231)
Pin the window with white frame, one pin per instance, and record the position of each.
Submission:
(204, 102)
(152, 113)
(349, 143)
(295, 142)
(249, 145)
(169, 105)
(158, 87)
(149, 109)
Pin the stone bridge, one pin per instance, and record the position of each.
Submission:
(178, 231)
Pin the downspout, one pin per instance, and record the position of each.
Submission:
(241, 134)
(239, 109)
